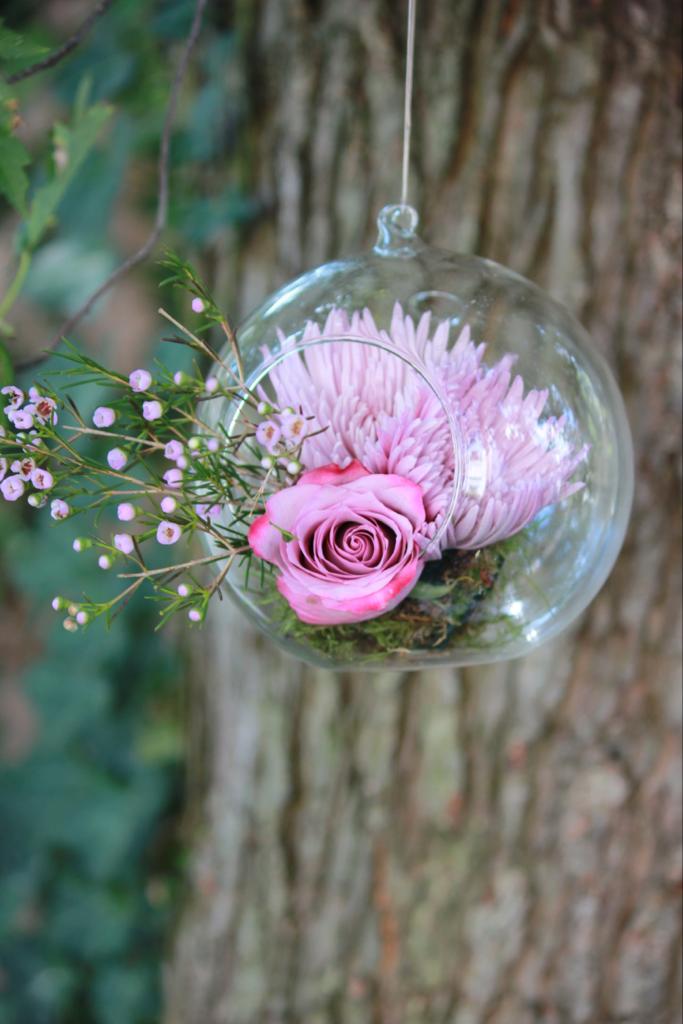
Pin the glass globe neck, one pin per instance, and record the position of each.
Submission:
(397, 226)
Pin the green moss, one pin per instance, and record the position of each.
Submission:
(447, 609)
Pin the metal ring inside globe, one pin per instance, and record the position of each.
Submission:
(262, 373)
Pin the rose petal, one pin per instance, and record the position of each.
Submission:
(284, 506)
(265, 540)
(398, 493)
(319, 610)
(334, 475)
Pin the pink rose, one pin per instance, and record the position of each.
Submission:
(344, 541)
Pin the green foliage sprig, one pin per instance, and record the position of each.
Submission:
(152, 468)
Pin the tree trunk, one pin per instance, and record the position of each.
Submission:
(494, 845)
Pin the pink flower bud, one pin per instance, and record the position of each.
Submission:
(12, 488)
(59, 509)
(173, 450)
(117, 459)
(24, 467)
(19, 418)
(152, 410)
(268, 434)
(140, 380)
(42, 480)
(104, 417)
(168, 505)
(293, 427)
(197, 305)
(207, 512)
(124, 543)
(173, 477)
(15, 396)
(126, 512)
(44, 409)
(168, 533)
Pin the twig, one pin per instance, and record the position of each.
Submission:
(202, 346)
(162, 205)
(234, 344)
(65, 49)
(171, 568)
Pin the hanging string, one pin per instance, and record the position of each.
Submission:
(408, 103)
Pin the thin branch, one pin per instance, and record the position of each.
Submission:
(172, 568)
(162, 204)
(234, 345)
(58, 55)
(207, 350)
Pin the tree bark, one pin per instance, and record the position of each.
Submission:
(495, 845)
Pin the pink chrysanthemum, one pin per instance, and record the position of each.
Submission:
(375, 408)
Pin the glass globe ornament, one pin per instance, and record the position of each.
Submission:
(446, 465)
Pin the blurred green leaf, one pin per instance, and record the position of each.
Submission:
(90, 921)
(172, 19)
(19, 882)
(431, 591)
(162, 741)
(71, 146)
(43, 805)
(49, 990)
(13, 178)
(6, 377)
(16, 49)
(63, 716)
(6, 368)
(121, 995)
(65, 271)
(203, 219)
(86, 211)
